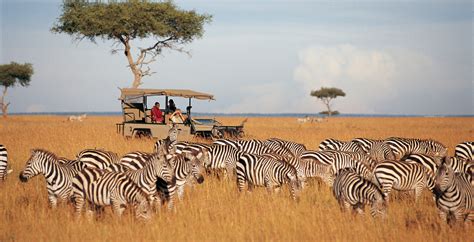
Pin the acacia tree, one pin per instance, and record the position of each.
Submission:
(11, 75)
(125, 21)
(326, 95)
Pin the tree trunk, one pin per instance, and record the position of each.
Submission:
(328, 106)
(4, 105)
(137, 75)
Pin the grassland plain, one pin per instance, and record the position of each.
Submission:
(214, 210)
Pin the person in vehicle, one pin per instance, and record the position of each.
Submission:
(156, 114)
(176, 115)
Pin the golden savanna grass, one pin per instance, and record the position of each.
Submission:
(214, 210)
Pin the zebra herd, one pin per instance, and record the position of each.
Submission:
(361, 172)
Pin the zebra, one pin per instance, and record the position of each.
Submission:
(170, 141)
(95, 187)
(223, 157)
(430, 162)
(157, 166)
(95, 158)
(134, 160)
(331, 144)
(378, 150)
(58, 176)
(294, 148)
(295, 162)
(454, 195)
(462, 166)
(4, 163)
(402, 176)
(256, 170)
(405, 146)
(187, 167)
(347, 160)
(464, 150)
(232, 143)
(314, 168)
(352, 190)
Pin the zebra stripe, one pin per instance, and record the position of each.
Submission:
(403, 176)
(323, 157)
(295, 162)
(223, 157)
(348, 160)
(295, 149)
(454, 195)
(405, 146)
(94, 158)
(353, 191)
(378, 150)
(257, 170)
(3, 162)
(331, 144)
(313, 168)
(464, 150)
(429, 162)
(58, 176)
(169, 142)
(104, 188)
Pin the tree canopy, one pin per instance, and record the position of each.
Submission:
(326, 95)
(13, 74)
(124, 21)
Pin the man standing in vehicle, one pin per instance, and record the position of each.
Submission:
(156, 114)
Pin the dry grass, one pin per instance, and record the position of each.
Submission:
(214, 211)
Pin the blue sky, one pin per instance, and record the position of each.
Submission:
(390, 57)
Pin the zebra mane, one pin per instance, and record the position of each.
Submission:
(48, 154)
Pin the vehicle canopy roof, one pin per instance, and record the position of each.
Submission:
(128, 93)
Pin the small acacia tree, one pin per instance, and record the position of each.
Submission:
(11, 75)
(326, 95)
(124, 21)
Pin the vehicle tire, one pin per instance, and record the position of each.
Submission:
(240, 134)
(217, 134)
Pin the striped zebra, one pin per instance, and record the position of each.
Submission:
(405, 146)
(4, 163)
(347, 160)
(155, 167)
(378, 150)
(293, 148)
(313, 168)
(98, 188)
(295, 162)
(255, 170)
(187, 168)
(58, 176)
(252, 146)
(464, 150)
(353, 191)
(95, 158)
(169, 142)
(223, 158)
(331, 144)
(462, 166)
(403, 177)
(454, 195)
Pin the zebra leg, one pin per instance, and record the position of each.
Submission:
(418, 191)
(53, 200)
(443, 215)
(180, 189)
(387, 189)
(79, 204)
(241, 183)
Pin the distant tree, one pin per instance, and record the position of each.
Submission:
(11, 75)
(326, 95)
(127, 20)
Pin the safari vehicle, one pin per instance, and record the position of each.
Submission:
(137, 121)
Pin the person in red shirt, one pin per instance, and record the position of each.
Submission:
(156, 114)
